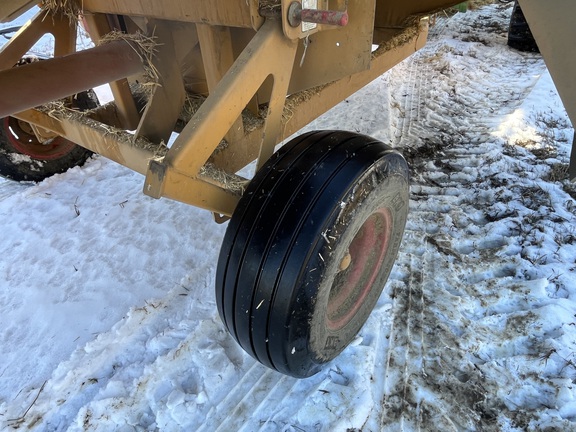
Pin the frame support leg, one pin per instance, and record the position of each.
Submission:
(63, 31)
(164, 106)
(98, 26)
(177, 176)
(218, 58)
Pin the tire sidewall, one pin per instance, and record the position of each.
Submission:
(310, 206)
(20, 166)
(384, 185)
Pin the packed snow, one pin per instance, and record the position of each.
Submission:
(107, 307)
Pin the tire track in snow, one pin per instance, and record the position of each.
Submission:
(230, 414)
(406, 352)
(414, 79)
(432, 394)
(452, 381)
(444, 340)
(409, 107)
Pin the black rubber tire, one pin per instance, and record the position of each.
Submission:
(322, 198)
(519, 34)
(24, 158)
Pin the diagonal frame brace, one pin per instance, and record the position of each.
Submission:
(177, 175)
(60, 27)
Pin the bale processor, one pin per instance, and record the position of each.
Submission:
(313, 235)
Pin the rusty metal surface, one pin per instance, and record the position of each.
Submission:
(304, 29)
(41, 82)
(327, 17)
(297, 16)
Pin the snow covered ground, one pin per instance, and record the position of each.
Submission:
(106, 296)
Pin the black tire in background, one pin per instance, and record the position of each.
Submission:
(309, 248)
(519, 34)
(24, 158)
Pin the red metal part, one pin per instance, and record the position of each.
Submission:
(38, 83)
(297, 15)
(327, 17)
(367, 252)
(26, 142)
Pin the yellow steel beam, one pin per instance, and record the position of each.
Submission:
(232, 13)
(25, 38)
(304, 107)
(195, 191)
(218, 58)
(137, 155)
(394, 14)
(12, 9)
(269, 53)
(177, 176)
(112, 143)
(60, 27)
(168, 93)
(98, 26)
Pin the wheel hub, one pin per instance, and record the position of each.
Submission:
(359, 269)
(22, 136)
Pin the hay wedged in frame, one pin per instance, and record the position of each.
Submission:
(230, 182)
(145, 46)
(270, 8)
(192, 103)
(59, 111)
(411, 28)
(68, 8)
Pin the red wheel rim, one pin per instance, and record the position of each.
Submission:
(353, 284)
(22, 138)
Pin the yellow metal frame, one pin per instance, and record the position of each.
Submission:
(12, 9)
(241, 65)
